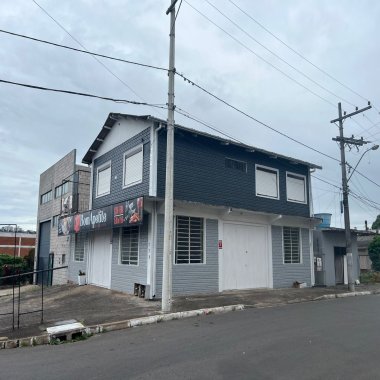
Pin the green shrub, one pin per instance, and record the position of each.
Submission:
(374, 253)
(370, 277)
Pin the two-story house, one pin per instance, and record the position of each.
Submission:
(242, 214)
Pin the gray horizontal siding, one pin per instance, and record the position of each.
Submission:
(117, 193)
(75, 266)
(196, 278)
(285, 274)
(124, 276)
(200, 175)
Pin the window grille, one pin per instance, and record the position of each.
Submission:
(292, 249)
(189, 240)
(129, 250)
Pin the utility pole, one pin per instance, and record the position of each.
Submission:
(168, 229)
(342, 142)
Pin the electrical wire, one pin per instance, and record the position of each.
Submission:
(83, 94)
(259, 56)
(253, 118)
(80, 44)
(83, 51)
(297, 53)
(277, 56)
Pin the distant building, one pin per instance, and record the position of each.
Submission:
(363, 242)
(19, 244)
(64, 189)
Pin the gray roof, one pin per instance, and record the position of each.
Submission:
(113, 117)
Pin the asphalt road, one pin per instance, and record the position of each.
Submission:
(337, 339)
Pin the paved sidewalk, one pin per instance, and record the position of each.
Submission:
(93, 305)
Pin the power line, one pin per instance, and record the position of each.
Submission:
(83, 94)
(83, 51)
(277, 56)
(188, 115)
(253, 118)
(80, 44)
(297, 53)
(260, 57)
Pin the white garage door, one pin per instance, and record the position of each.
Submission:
(245, 256)
(100, 259)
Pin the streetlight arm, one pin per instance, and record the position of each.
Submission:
(375, 147)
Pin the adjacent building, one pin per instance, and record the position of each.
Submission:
(20, 244)
(242, 214)
(64, 189)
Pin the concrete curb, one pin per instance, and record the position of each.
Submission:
(345, 295)
(120, 325)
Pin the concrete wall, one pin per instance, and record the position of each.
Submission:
(285, 274)
(64, 169)
(324, 242)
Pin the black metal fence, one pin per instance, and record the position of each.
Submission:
(17, 280)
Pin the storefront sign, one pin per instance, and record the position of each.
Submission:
(119, 215)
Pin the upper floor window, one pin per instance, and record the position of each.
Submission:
(296, 188)
(236, 164)
(133, 166)
(61, 189)
(47, 197)
(129, 246)
(189, 240)
(267, 182)
(103, 179)
(292, 245)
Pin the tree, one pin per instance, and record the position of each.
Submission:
(374, 253)
(376, 223)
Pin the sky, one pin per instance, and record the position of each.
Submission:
(237, 60)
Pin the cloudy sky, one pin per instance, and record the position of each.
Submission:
(341, 37)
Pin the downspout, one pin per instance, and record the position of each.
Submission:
(311, 243)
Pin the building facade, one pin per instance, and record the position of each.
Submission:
(64, 189)
(242, 214)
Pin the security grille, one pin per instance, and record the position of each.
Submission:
(129, 252)
(189, 240)
(291, 245)
(79, 247)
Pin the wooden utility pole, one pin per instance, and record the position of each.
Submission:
(343, 141)
(168, 229)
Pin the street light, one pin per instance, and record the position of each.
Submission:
(375, 147)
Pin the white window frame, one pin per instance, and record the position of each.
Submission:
(300, 246)
(130, 153)
(138, 248)
(98, 170)
(300, 176)
(204, 262)
(257, 166)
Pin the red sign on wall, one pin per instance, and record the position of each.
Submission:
(220, 244)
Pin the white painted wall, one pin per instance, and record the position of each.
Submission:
(121, 131)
